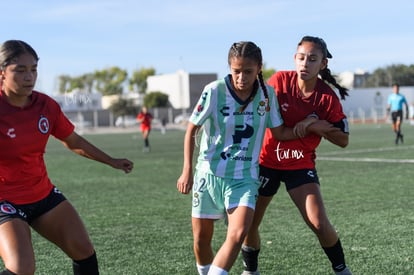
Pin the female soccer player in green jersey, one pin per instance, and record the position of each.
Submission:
(234, 113)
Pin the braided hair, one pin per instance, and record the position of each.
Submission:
(247, 49)
(325, 73)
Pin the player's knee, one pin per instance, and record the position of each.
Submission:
(320, 226)
(237, 235)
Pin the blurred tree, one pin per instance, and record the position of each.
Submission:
(384, 77)
(138, 80)
(109, 81)
(123, 107)
(267, 72)
(156, 99)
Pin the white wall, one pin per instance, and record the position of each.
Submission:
(370, 101)
(176, 86)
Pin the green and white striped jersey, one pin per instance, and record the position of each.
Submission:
(232, 139)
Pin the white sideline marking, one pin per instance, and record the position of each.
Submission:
(367, 160)
(325, 156)
(367, 150)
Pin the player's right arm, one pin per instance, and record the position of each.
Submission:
(185, 181)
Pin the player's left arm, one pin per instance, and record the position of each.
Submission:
(407, 110)
(82, 147)
(341, 136)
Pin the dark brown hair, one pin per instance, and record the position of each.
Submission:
(247, 49)
(325, 73)
(12, 49)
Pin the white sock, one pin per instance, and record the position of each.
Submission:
(203, 269)
(215, 270)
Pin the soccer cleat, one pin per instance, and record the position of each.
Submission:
(346, 271)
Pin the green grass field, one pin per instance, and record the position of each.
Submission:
(140, 224)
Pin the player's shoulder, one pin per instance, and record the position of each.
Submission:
(40, 97)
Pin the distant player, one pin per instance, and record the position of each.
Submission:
(395, 107)
(145, 118)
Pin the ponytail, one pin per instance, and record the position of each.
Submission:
(327, 76)
(264, 88)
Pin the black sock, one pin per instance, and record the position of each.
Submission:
(7, 272)
(336, 256)
(88, 266)
(146, 142)
(250, 258)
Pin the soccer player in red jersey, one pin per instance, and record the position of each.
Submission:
(145, 118)
(28, 198)
(300, 93)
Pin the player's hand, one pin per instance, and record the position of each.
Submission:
(123, 164)
(322, 128)
(185, 183)
(300, 128)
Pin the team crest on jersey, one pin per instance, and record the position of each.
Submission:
(43, 125)
(261, 109)
(7, 208)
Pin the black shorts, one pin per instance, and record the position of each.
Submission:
(397, 116)
(29, 212)
(270, 179)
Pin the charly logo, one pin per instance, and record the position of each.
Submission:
(284, 107)
(43, 125)
(11, 133)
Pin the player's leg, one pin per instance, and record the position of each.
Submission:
(63, 226)
(202, 235)
(16, 248)
(239, 221)
(145, 135)
(308, 200)
(398, 127)
(269, 185)
(251, 245)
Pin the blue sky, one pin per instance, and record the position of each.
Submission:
(80, 36)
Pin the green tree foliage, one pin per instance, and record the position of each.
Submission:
(123, 107)
(384, 77)
(84, 82)
(138, 79)
(110, 81)
(156, 99)
(267, 72)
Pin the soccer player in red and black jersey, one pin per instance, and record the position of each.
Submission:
(145, 118)
(28, 198)
(301, 93)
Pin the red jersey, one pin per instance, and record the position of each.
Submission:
(145, 119)
(299, 153)
(24, 133)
